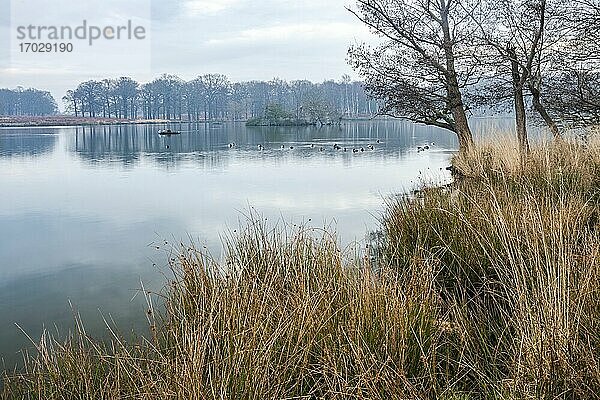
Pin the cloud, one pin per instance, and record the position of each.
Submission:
(292, 32)
(196, 8)
(28, 71)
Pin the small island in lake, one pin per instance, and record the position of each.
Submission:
(264, 121)
(311, 113)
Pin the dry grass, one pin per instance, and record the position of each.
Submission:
(488, 290)
(518, 251)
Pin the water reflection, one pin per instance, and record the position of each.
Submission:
(27, 142)
(208, 146)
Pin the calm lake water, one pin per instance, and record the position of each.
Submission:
(81, 208)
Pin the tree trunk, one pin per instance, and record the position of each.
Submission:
(520, 119)
(539, 107)
(520, 116)
(463, 132)
(462, 129)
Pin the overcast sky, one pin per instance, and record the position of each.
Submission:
(243, 39)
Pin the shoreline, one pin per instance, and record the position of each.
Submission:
(32, 122)
(66, 120)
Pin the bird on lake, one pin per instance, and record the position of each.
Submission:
(321, 149)
(355, 150)
(312, 145)
(282, 146)
(419, 148)
(345, 149)
(378, 141)
(336, 147)
(291, 147)
(261, 147)
(231, 145)
(371, 147)
(426, 147)
(362, 149)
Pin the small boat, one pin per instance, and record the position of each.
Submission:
(168, 132)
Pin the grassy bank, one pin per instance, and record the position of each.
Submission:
(489, 289)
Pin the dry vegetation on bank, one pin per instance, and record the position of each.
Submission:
(487, 290)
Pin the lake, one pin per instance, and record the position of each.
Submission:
(82, 209)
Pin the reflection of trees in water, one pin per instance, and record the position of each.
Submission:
(128, 143)
(105, 143)
(400, 135)
(208, 144)
(27, 142)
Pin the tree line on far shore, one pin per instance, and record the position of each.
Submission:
(215, 97)
(26, 102)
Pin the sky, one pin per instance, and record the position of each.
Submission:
(243, 39)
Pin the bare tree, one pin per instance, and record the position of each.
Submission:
(425, 63)
(22, 101)
(90, 95)
(126, 92)
(571, 89)
(71, 103)
(513, 32)
(549, 49)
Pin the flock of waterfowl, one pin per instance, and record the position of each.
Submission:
(169, 132)
(335, 147)
(338, 147)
